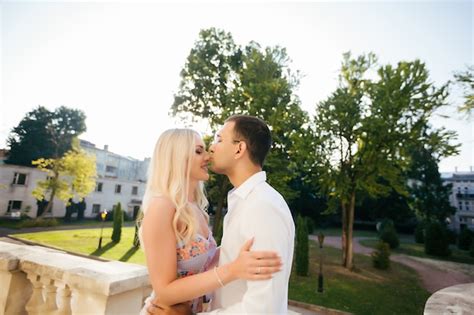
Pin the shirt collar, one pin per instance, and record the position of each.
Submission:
(246, 187)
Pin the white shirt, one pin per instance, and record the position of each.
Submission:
(256, 210)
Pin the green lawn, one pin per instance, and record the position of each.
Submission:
(413, 249)
(365, 291)
(85, 241)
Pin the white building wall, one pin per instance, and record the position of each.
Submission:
(462, 198)
(11, 192)
(105, 199)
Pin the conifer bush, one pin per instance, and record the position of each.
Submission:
(302, 247)
(118, 222)
(465, 239)
(381, 256)
(436, 240)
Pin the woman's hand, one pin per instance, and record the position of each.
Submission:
(255, 265)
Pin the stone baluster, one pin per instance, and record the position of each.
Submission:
(65, 301)
(49, 306)
(36, 301)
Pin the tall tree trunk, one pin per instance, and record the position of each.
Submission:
(350, 227)
(344, 233)
(49, 206)
(217, 228)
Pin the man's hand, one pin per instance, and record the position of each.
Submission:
(178, 309)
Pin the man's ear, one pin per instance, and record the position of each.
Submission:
(241, 148)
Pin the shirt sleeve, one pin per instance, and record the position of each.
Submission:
(268, 223)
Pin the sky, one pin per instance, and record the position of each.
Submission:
(119, 62)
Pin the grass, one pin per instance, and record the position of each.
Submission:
(418, 250)
(85, 241)
(365, 291)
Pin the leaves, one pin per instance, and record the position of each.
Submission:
(71, 176)
(44, 134)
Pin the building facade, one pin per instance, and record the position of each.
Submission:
(119, 179)
(462, 198)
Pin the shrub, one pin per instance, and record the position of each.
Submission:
(452, 236)
(302, 247)
(381, 256)
(436, 240)
(389, 235)
(118, 221)
(471, 251)
(420, 233)
(465, 239)
(310, 224)
(382, 225)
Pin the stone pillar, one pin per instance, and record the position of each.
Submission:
(16, 289)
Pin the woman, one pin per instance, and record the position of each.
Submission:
(180, 251)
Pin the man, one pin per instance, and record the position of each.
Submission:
(256, 210)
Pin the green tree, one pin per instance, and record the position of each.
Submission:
(72, 175)
(466, 81)
(268, 86)
(220, 79)
(429, 197)
(363, 130)
(302, 247)
(208, 92)
(118, 222)
(44, 134)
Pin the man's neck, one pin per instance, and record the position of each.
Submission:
(241, 173)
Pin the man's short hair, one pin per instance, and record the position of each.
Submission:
(256, 134)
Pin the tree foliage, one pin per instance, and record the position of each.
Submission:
(365, 127)
(44, 134)
(220, 79)
(70, 176)
(429, 197)
(466, 81)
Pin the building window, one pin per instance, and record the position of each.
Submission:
(110, 169)
(118, 189)
(98, 187)
(135, 190)
(466, 204)
(460, 205)
(14, 205)
(19, 179)
(95, 208)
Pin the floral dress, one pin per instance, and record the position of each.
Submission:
(192, 258)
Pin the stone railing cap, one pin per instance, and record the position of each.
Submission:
(108, 278)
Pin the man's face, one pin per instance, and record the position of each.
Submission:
(223, 149)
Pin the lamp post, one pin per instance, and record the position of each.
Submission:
(103, 215)
(320, 277)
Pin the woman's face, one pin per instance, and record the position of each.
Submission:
(200, 161)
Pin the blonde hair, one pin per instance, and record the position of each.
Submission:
(169, 176)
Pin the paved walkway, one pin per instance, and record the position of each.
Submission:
(435, 274)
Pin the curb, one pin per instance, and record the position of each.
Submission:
(317, 309)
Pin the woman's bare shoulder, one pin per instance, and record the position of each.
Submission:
(160, 203)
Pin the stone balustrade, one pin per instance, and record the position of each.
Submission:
(38, 280)
(457, 299)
